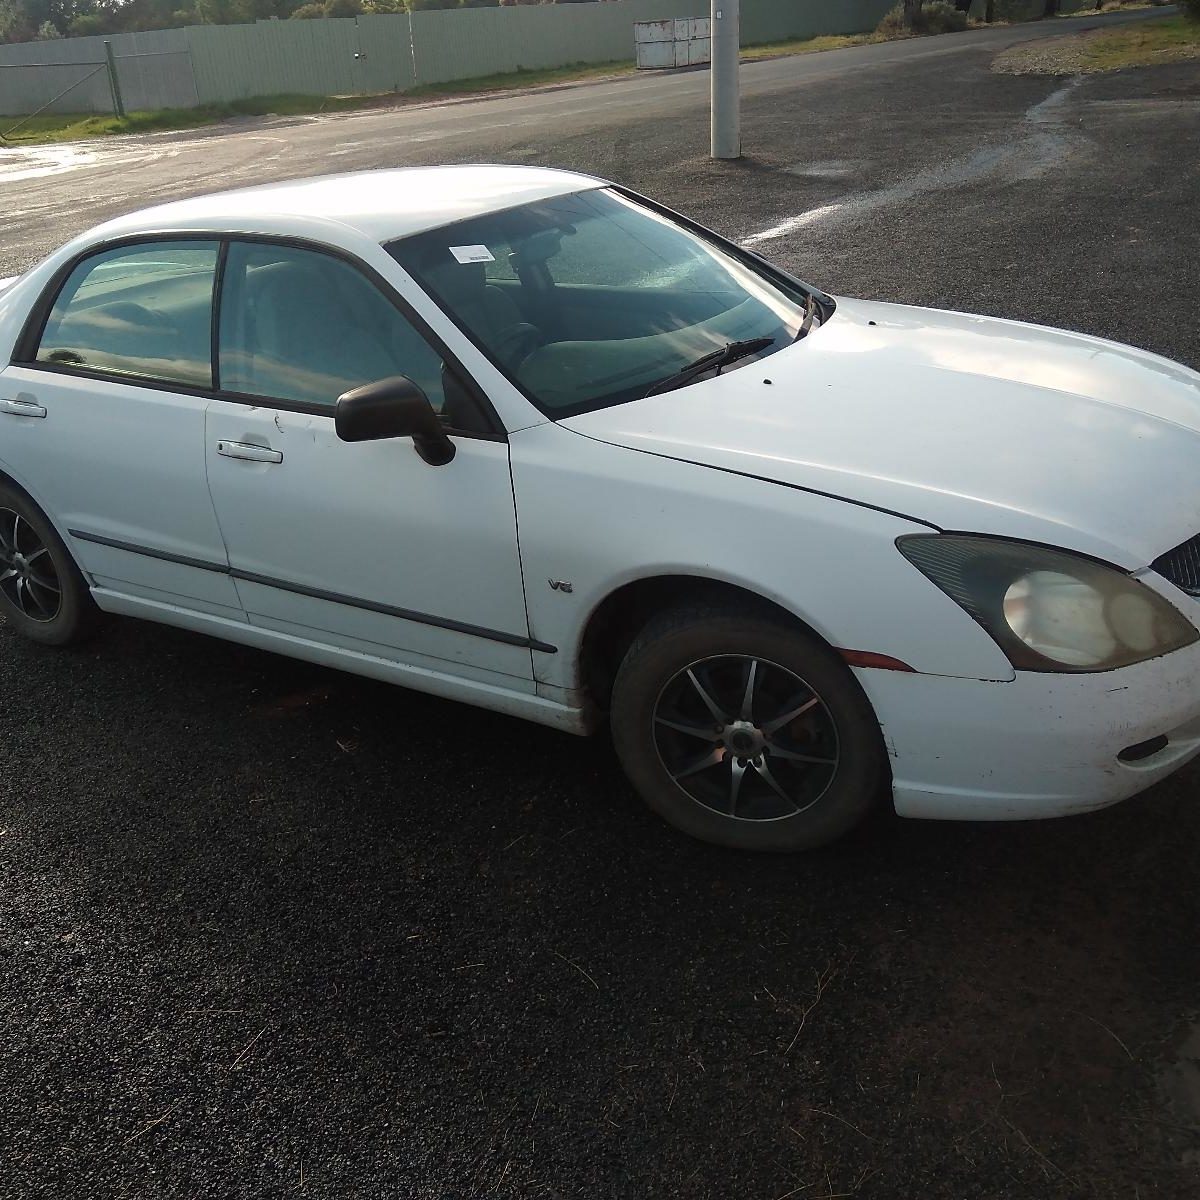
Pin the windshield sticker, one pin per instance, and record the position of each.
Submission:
(472, 254)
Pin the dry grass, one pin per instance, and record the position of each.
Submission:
(807, 46)
(1142, 45)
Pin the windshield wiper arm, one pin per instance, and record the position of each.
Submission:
(810, 315)
(715, 360)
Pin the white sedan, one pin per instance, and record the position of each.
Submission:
(524, 439)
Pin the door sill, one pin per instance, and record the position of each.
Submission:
(491, 696)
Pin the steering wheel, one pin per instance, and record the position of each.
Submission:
(516, 343)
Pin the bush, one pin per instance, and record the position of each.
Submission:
(1190, 8)
(935, 16)
(892, 24)
(308, 12)
(943, 17)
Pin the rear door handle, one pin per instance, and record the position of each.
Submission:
(248, 452)
(22, 408)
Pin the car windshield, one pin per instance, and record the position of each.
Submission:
(592, 299)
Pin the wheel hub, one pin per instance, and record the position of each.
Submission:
(743, 739)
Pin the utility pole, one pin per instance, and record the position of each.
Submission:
(725, 32)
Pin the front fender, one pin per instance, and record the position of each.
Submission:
(595, 517)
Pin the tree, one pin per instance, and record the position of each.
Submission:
(88, 25)
(13, 25)
(27, 20)
(258, 10)
(215, 12)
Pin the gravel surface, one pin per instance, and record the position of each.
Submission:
(267, 930)
(1057, 56)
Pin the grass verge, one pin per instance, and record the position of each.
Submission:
(1142, 45)
(71, 127)
(807, 46)
(507, 81)
(1110, 6)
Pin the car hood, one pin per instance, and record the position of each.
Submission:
(5, 284)
(961, 422)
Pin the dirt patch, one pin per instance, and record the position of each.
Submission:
(1060, 56)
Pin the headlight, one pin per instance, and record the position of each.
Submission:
(1050, 610)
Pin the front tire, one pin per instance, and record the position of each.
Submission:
(745, 731)
(43, 596)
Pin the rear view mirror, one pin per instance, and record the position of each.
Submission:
(393, 408)
(539, 247)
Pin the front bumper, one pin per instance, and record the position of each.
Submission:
(1038, 746)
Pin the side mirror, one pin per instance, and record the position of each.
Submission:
(393, 408)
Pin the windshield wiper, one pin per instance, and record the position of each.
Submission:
(715, 360)
(810, 314)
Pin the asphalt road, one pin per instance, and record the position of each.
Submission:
(266, 930)
(53, 192)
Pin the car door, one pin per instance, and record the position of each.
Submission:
(360, 545)
(102, 419)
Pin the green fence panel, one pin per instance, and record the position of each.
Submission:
(1029, 10)
(386, 45)
(779, 20)
(394, 52)
(235, 62)
(485, 41)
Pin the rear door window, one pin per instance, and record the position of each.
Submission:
(140, 311)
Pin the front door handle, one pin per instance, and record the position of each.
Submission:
(248, 452)
(22, 408)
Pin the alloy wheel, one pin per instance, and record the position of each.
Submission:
(28, 577)
(746, 738)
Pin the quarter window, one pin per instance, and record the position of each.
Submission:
(143, 311)
(301, 326)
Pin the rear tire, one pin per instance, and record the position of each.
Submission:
(43, 595)
(744, 731)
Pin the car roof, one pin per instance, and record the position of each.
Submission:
(382, 205)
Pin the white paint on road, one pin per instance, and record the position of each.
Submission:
(1043, 140)
(790, 225)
